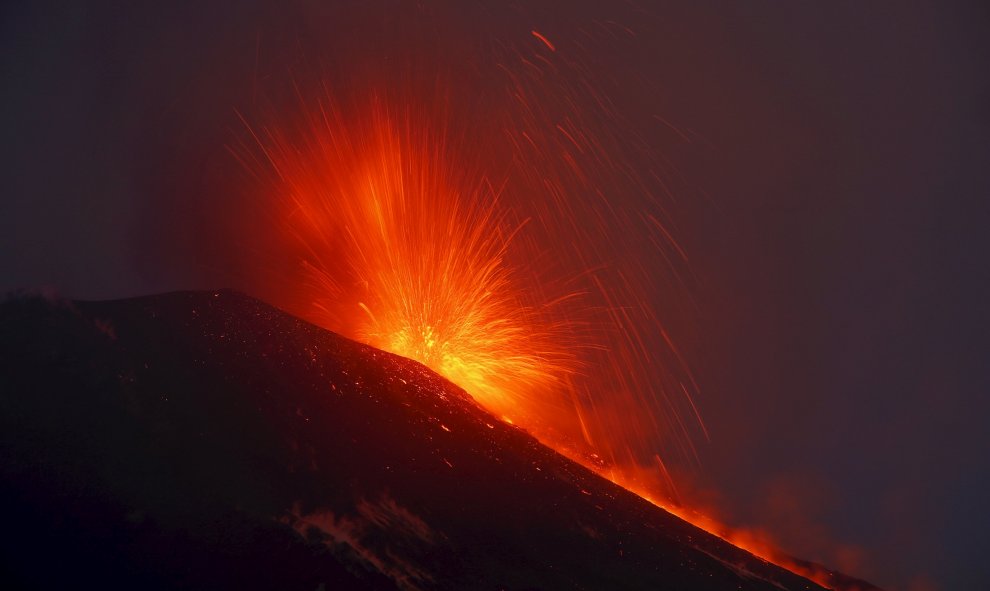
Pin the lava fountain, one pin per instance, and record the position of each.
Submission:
(515, 251)
(404, 240)
(405, 249)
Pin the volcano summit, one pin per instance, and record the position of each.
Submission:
(207, 440)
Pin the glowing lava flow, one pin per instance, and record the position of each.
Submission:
(519, 254)
(404, 248)
(491, 224)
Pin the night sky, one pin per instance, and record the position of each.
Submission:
(832, 199)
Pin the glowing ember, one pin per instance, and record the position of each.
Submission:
(491, 253)
(520, 289)
(518, 256)
(406, 252)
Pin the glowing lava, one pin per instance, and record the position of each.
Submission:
(505, 254)
(406, 251)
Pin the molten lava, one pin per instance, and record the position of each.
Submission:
(406, 251)
(518, 255)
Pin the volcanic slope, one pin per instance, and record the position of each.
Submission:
(207, 440)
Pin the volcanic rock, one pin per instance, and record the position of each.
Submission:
(207, 440)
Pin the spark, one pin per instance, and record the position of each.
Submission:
(406, 252)
(515, 256)
(518, 256)
(544, 40)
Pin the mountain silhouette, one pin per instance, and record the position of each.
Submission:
(204, 440)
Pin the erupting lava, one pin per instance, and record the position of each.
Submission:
(506, 252)
(406, 251)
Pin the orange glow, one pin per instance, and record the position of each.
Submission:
(517, 253)
(506, 244)
(406, 248)
(405, 251)
(757, 542)
(544, 40)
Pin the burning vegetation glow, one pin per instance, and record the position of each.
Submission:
(502, 245)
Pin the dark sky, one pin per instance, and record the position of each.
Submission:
(839, 237)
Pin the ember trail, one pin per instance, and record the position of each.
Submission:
(403, 243)
(512, 248)
(405, 250)
(487, 258)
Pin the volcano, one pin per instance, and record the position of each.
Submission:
(207, 440)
